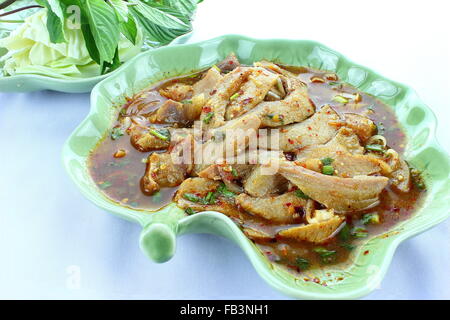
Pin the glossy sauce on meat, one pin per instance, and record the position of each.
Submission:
(120, 178)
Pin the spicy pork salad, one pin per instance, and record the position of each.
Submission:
(305, 164)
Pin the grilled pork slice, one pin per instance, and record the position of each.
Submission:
(213, 112)
(282, 209)
(314, 130)
(274, 68)
(144, 141)
(169, 169)
(259, 184)
(256, 234)
(401, 177)
(347, 165)
(345, 141)
(361, 125)
(207, 84)
(228, 64)
(198, 188)
(251, 93)
(295, 107)
(320, 228)
(342, 194)
(177, 91)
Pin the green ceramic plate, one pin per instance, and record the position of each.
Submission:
(161, 229)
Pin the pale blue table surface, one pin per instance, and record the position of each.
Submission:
(56, 244)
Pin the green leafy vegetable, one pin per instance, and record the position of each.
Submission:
(163, 134)
(375, 147)
(302, 263)
(327, 161)
(370, 218)
(116, 133)
(326, 256)
(190, 211)
(207, 119)
(328, 170)
(360, 233)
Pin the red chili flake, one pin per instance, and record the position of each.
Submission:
(230, 62)
(366, 252)
(316, 280)
(309, 128)
(247, 101)
(206, 109)
(288, 204)
(291, 141)
(213, 92)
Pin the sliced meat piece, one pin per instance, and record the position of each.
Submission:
(345, 141)
(227, 141)
(259, 184)
(257, 235)
(213, 112)
(320, 229)
(361, 125)
(251, 93)
(177, 91)
(208, 83)
(193, 107)
(274, 68)
(228, 173)
(342, 194)
(162, 172)
(281, 209)
(200, 187)
(314, 130)
(296, 107)
(230, 63)
(347, 165)
(401, 178)
(144, 141)
(170, 112)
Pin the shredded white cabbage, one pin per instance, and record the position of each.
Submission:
(31, 52)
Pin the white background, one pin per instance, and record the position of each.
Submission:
(56, 244)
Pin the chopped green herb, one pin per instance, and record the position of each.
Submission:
(105, 185)
(347, 246)
(327, 256)
(210, 198)
(334, 83)
(344, 234)
(163, 134)
(328, 170)
(302, 263)
(375, 147)
(327, 161)
(360, 233)
(207, 119)
(190, 211)
(116, 133)
(234, 96)
(370, 218)
(223, 190)
(234, 172)
(371, 108)
(216, 67)
(192, 197)
(417, 179)
(299, 193)
(340, 99)
(187, 101)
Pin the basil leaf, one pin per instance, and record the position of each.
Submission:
(55, 20)
(90, 43)
(129, 29)
(185, 7)
(161, 24)
(104, 27)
